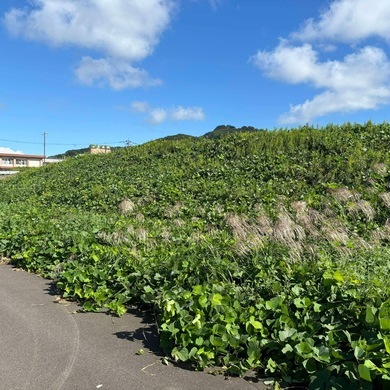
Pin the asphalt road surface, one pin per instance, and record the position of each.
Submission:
(46, 344)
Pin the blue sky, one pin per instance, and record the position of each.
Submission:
(108, 71)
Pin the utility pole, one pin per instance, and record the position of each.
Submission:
(128, 143)
(44, 147)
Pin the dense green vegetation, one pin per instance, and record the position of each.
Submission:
(218, 132)
(223, 130)
(255, 250)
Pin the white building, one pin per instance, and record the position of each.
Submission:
(11, 161)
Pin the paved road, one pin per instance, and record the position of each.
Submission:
(46, 345)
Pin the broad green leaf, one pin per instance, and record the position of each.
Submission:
(287, 333)
(338, 276)
(370, 314)
(165, 361)
(271, 365)
(254, 354)
(120, 310)
(219, 329)
(371, 365)
(180, 354)
(384, 315)
(274, 303)
(310, 365)
(203, 301)
(358, 352)
(79, 292)
(384, 323)
(256, 324)
(297, 290)
(199, 341)
(387, 343)
(193, 352)
(303, 348)
(364, 372)
(197, 290)
(170, 306)
(217, 341)
(287, 348)
(317, 307)
(323, 354)
(89, 306)
(196, 320)
(216, 299)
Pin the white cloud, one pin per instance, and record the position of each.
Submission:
(349, 21)
(293, 64)
(115, 73)
(187, 114)
(119, 28)
(10, 151)
(140, 107)
(123, 31)
(158, 115)
(358, 81)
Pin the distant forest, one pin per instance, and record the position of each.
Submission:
(218, 132)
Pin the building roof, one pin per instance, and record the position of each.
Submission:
(20, 155)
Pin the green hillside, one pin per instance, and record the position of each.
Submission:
(265, 250)
(218, 132)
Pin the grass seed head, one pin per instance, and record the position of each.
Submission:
(126, 207)
(173, 211)
(385, 196)
(246, 235)
(362, 206)
(380, 169)
(179, 222)
(334, 231)
(286, 230)
(140, 217)
(166, 235)
(344, 195)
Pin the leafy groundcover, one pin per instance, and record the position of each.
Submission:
(263, 250)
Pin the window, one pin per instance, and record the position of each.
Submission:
(21, 162)
(7, 161)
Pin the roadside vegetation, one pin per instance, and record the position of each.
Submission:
(265, 250)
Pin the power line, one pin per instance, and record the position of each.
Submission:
(65, 144)
(128, 142)
(21, 142)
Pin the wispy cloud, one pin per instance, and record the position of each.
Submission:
(358, 81)
(158, 115)
(113, 72)
(187, 114)
(123, 32)
(140, 107)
